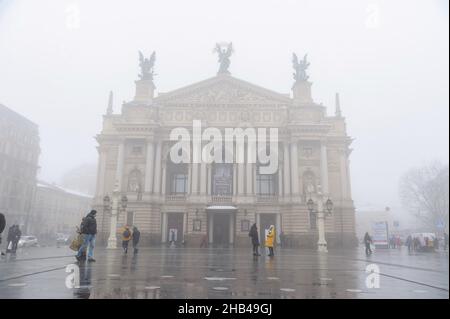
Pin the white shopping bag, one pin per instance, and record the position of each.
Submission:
(10, 245)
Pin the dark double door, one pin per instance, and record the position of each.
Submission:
(175, 227)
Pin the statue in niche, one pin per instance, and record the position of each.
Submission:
(134, 181)
(309, 183)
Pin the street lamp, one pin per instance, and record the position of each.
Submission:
(115, 207)
(321, 244)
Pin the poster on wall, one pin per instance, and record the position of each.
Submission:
(380, 234)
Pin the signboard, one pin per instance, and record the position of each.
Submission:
(380, 234)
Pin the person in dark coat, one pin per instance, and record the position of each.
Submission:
(16, 238)
(367, 242)
(255, 239)
(88, 229)
(136, 236)
(2, 228)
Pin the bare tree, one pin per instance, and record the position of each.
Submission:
(424, 192)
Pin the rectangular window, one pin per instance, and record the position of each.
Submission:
(265, 184)
(136, 150)
(179, 184)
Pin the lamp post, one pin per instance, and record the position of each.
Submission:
(321, 215)
(115, 209)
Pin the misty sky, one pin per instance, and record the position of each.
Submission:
(388, 59)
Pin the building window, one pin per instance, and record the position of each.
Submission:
(222, 180)
(135, 181)
(265, 184)
(179, 184)
(136, 150)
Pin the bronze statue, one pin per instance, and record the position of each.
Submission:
(224, 56)
(300, 68)
(146, 66)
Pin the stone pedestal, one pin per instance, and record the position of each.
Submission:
(145, 90)
(302, 92)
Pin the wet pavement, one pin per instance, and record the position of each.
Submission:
(224, 273)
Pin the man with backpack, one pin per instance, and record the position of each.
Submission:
(126, 236)
(88, 230)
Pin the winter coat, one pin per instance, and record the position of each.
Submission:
(367, 239)
(2, 222)
(254, 235)
(89, 225)
(270, 237)
(126, 234)
(136, 236)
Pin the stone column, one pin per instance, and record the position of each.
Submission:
(286, 171)
(240, 173)
(101, 171)
(157, 181)
(231, 229)
(280, 180)
(210, 228)
(235, 179)
(149, 164)
(294, 169)
(324, 168)
(119, 167)
(209, 181)
(164, 228)
(194, 175)
(249, 176)
(203, 181)
(343, 173)
(164, 179)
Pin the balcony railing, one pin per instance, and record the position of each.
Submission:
(221, 199)
(176, 198)
(261, 198)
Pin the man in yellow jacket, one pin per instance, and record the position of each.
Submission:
(270, 238)
(126, 236)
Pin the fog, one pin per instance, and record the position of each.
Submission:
(387, 59)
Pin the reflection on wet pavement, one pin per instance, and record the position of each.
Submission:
(226, 273)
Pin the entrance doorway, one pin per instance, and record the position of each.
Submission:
(175, 228)
(221, 229)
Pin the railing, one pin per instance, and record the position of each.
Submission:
(221, 198)
(260, 198)
(176, 198)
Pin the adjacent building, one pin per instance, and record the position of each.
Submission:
(57, 210)
(218, 202)
(19, 155)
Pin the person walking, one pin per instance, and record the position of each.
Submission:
(2, 228)
(253, 234)
(126, 237)
(270, 238)
(136, 236)
(16, 238)
(368, 242)
(409, 243)
(88, 230)
(445, 241)
(10, 238)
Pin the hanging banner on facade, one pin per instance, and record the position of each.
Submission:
(380, 234)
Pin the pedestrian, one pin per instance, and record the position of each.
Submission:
(270, 238)
(9, 238)
(2, 228)
(255, 239)
(368, 242)
(136, 236)
(126, 236)
(88, 230)
(445, 241)
(16, 238)
(409, 243)
(204, 242)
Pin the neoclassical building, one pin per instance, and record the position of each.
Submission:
(217, 202)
